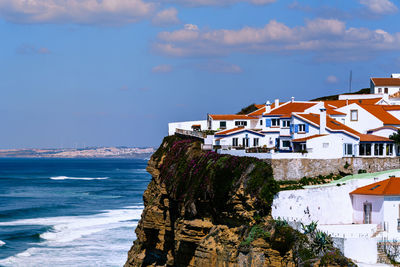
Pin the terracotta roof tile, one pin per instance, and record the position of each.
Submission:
(342, 103)
(391, 107)
(388, 187)
(260, 110)
(383, 127)
(334, 125)
(299, 140)
(386, 81)
(229, 131)
(229, 117)
(289, 108)
(380, 113)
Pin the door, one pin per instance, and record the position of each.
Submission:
(367, 213)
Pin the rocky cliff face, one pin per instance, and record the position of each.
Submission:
(205, 209)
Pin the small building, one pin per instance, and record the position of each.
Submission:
(378, 203)
(388, 86)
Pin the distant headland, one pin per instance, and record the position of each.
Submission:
(89, 152)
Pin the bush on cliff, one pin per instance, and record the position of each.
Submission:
(207, 179)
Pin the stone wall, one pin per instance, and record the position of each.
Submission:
(293, 169)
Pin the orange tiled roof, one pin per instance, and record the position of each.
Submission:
(386, 81)
(334, 125)
(230, 117)
(289, 108)
(373, 138)
(298, 140)
(260, 110)
(388, 187)
(383, 127)
(391, 107)
(342, 103)
(238, 129)
(380, 113)
(229, 131)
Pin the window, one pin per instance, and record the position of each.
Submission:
(389, 149)
(302, 128)
(240, 123)
(274, 122)
(261, 122)
(255, 142)
(285, 143)
(365, 150)
(354, 115)
(222, 124)
(386, 90)
(303, 147)
(379, 90)
(348, 149)
(245, 142)
(235, 142)
(285, 124)
(378, 149)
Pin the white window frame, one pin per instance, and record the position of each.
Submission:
(275, 122)
(285, 123)
(256, 141)
(302, 128)
(235, 141)
(346, 149)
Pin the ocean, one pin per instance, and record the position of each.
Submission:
(69, 212)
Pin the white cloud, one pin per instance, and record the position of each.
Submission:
(332, 79)
(163, 68)
(28, 49)
(217, 2)
(323, 37)
(166, 17)
(107, 12)
(380, 7)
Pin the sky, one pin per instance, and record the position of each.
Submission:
(77, 73)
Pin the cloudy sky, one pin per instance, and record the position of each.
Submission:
(115, 72)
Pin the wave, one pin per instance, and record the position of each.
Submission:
(77, 178)
(69, 228)
(2, 243)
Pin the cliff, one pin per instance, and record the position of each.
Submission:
(206, 209)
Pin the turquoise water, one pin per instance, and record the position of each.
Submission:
(69, 212)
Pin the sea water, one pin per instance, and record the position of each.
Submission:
(69, 212)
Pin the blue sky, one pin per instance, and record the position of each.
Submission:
(115, 72)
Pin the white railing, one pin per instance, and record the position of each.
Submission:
(190, 133)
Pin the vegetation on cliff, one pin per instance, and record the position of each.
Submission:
(207, 209)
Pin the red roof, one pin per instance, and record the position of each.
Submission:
(388, 187)
(334, 125)
(386, 81)
(260, 110)
(290, 107)
(342, 103)
(304, 139)
(391, 107)
(383, 127)
(238, 129)
(230, 117)
(380, 113)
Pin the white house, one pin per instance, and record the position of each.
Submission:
(378, 203)
(388, 86)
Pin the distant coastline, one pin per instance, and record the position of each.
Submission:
(91, 152)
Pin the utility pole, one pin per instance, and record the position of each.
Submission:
(350, 80)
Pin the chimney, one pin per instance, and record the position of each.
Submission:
(276, 103)
(292, 99)
(322, 121)
(267, 107)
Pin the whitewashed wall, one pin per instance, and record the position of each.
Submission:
(391, 213)
(366, 120)
(185, 125)
(384, 132)
(377, 208)
(227, 141)
(391, 89)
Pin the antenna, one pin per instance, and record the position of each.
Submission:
(350, 80)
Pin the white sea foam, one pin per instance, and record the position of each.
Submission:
(2, 243)
(80, 240)
(78, 178)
